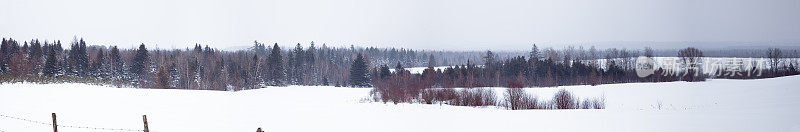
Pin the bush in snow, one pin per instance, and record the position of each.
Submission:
(513, 98)
(599, 103)
(585, 104)
(428, 96)
(563, 99)
(446, 94)
(475, 97)
(517, 99)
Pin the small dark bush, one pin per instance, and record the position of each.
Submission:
(475, 97)
(446, 94)
(517, 99)
(563, 99)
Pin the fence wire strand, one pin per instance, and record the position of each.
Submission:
(69, 126)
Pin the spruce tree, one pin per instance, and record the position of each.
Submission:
(35, 56)
(139, 63)
(535, 53)
(117, 65)
(385, 72)
(359, 72)
(51, 66)
(79, 58)
(97, 64)
(310, 67)
(4, 56)
(398, 69)
(298, 66)
(275, 67)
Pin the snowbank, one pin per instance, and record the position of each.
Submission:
(716, 105)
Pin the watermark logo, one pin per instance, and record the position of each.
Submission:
(719, 67)
(645, 66)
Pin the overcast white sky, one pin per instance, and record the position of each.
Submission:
(418, 24)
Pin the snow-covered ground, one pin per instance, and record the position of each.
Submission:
(767, 105)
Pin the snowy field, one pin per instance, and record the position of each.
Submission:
(767, 105)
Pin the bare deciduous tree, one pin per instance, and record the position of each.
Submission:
(774, 55)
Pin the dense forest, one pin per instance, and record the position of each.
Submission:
(262, 65)
(194, 68)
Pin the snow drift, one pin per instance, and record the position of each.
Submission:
(715, 105)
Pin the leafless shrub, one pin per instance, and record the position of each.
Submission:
(514, 98)
(593, 103)
(517, 99)
(428, 96)
(586, 104)
(446, 94)
(599, 103)
(475, 97)
(545, 104)
(488, 97)
(563, 99)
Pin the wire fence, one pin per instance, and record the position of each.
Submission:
(72, 126)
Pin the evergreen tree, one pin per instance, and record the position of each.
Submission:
(79, 59)
(398, 69)
(59, 49)
(359, 72)
(290, 68)
(310, 68)
(4, 55)
(25, 49)
(259, 48)
(275, 67)
(535, 53)
(385, 72)
(51, 66)
(198, 48)
(67, 67)
(35, 56)
(117, 65)
(139, 62)
(298, 65)
(97, 64)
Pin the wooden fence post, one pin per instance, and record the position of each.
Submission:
(144, 118)
(55, 126)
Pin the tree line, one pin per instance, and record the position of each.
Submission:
(264, 65)
(549, 68)
(200, 67)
